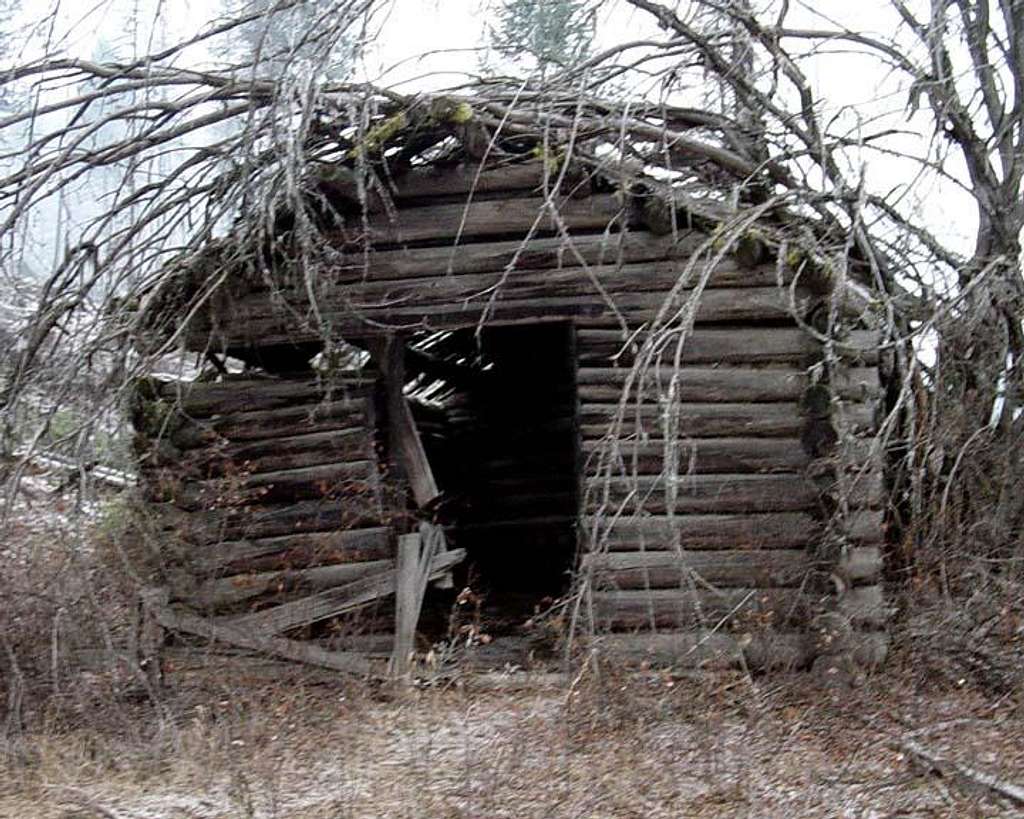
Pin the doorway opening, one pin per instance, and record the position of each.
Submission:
(497, 413)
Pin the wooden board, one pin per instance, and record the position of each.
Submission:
(777, 530)
(722, 493)
(683, 607)
(731, 345)
(296, 551)
(765, 649)
(751, 568)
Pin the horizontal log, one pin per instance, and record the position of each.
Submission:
(782, 420)
(296, 551)
(200, 399)
(259, 521)
(711, 384)
(513, 285)
(464, 179)
(228, 591)
(280, 423)
(679, 608)
(493, 217)
(779, 530)
(355, 319)
(723, 493)
(537, 254)
(340, 481)
(703, 493)
(733, 345)
(746, 650)
(337, 601)
(708, 455)
(293, 452)
(753, 568)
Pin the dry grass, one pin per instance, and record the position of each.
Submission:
(639, 745)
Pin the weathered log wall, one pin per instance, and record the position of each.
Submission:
(272, 486)
(707, 491)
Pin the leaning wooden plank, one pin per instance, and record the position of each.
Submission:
(296, 551)
(778, 530)
(228, 591)
(405, 438)
(337, 601)
(722, 649)
(407, 602)
(681, 607)
(732, 345)
(775, 567)
(177, 620)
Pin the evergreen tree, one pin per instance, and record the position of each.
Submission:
(307, 36)
(552, 32)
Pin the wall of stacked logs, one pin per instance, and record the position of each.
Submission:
(718, 553)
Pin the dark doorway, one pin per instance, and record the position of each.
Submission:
(497, 413)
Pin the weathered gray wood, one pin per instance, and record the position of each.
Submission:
(752, 649)
(714, 420)
(682, 607)
(707, 455)
(722, 493)
(703, 493)
(570, 281)
(203, 398)
(271, 455)
(344, 480)
(752, 568)
(405, 438)
(259, 425)
(494, 217)
(538, 254)
(407, 601)
(228, 591)
(465, 179)
(733, 345)
(336, 601)
(777, 530)
(184, 621)
(296, 551)
(253, 522)
(356, 318)
(710, 384)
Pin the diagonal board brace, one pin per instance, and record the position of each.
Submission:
(176, 619)
(337, 601)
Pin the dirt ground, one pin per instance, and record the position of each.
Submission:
(622, 745)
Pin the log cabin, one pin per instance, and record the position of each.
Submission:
(506, 401)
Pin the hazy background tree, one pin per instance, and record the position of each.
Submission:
(547, 33)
